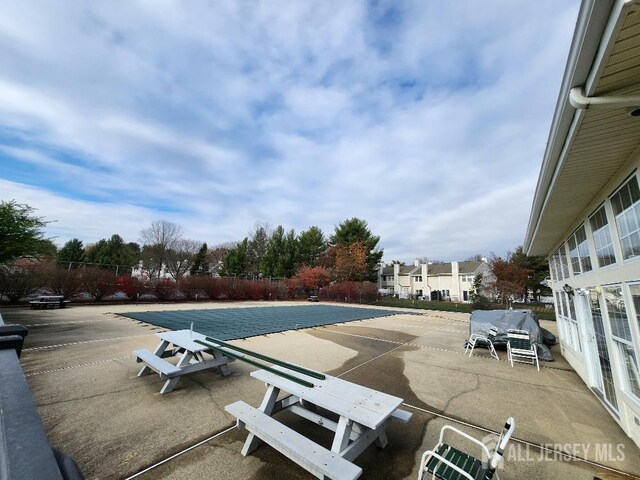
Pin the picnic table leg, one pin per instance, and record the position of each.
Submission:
(268, 402)
(382, 440)
(343, 432)
(171, 383)
(157, 352)
(224, 368)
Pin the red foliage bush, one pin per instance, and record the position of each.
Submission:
(165, 289)
(132, 287)
(190, 286)
(98, 283)
(212, 287)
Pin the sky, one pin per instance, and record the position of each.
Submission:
(427, 119)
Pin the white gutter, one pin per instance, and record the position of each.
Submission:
(597, 24)
(579, 101)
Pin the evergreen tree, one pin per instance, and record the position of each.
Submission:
(21, 232)
(311, 244)
(236, 260)
(200, 264)
(112, 254)
(257, 247)
(72, 253)
(355, 230)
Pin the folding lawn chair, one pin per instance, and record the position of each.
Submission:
(448, 463)
(483, 340)
(520, 348)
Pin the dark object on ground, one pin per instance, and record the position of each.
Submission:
(503, 320)
(548, 337)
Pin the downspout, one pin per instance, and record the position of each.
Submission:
(579, 101)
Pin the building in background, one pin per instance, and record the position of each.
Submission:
(586, 210)
(432, 281)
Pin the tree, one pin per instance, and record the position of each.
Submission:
(112, 254)
(20, 232)
(478, 300)
(538, 269)
(351, 262)
(158, 240)
(279, 260)
(200, 264)
(311, 245)
(179, 259)
(258, 244)
(312, 278)
(510, 278)
(72, 253)
(216, 256)
(355, 230)
(236, 260)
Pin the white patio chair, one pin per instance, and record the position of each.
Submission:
(446, 462)
(483, 340)
(521, 349)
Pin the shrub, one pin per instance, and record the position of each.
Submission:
(20, 278)
(63, 281)
(165, 289)
(190, 286)
(212, 287)
(132, 287)
(98, 283)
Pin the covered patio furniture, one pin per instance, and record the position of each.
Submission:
(484, 341)
(446, 462)
(520, 348)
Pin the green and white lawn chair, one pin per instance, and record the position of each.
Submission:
(520, 348)
(446, 462)
(483, 340)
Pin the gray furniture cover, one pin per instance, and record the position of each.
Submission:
(503, 320)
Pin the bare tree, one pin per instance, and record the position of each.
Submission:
(159, 239)
(179, 259)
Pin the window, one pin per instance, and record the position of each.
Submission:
(552, 267)
(560, 265)
(417, 278)
(466, 278)
(602, 238)
(567, 321)
(626, 208)
(579, 251)
(621, 334)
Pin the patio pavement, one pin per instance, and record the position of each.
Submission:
(82, 374)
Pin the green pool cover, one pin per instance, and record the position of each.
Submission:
(233, 323)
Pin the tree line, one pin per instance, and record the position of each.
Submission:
(350, 254)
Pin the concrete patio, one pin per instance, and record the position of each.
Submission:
(82, 374)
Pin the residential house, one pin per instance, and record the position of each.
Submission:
(586, 210)
(434, 281)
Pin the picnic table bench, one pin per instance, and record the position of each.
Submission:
(48, 301)
(363, 415)
(190, 353)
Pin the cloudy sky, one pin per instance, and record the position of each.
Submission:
(426, 118)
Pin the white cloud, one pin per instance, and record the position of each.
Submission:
(427, 119)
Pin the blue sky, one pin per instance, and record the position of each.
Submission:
(428, 119)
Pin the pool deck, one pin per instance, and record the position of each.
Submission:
(80, 368)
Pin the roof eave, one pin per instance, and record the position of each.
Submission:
(591, 39)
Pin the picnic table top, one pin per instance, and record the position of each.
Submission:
(361, 404)
(184, 339)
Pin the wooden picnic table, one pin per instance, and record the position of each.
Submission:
(363, 414)
(191, 357)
